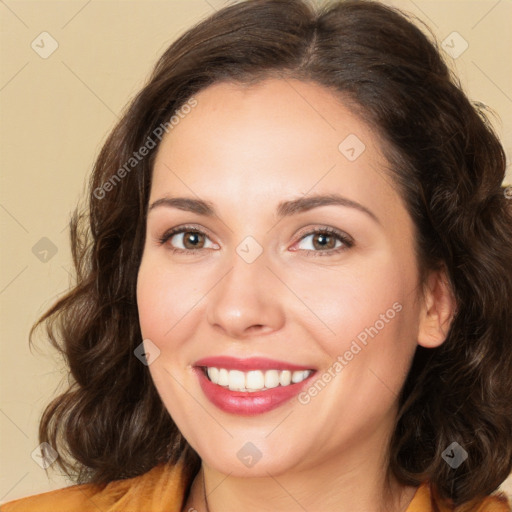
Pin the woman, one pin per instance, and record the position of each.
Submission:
(294, 280)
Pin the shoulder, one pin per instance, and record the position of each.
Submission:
(161, 488)
(422, 502)
(495, 503)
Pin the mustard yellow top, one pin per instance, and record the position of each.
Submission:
(163, 490)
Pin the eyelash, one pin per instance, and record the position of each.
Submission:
(342, 237)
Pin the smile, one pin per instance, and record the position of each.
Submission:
(250, 386)
(254, 380)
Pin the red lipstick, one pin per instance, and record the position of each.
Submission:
(248, 403)
(252, 363)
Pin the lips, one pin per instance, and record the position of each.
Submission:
(255, 401)
(245, 365)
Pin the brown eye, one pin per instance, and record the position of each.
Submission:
(192, 240)
(186, 239)
(325, 241)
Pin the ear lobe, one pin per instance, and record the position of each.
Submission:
(437, 310)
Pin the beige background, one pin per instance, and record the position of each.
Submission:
(55, 114)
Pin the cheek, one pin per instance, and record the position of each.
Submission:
(356, 299)
(151, 302)
(370, 313)
(165, 298)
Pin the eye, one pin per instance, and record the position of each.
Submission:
(187, 239)
(325, 242)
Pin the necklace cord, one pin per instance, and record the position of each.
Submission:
(204, 493)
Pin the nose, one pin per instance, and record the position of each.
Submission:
(248, 300)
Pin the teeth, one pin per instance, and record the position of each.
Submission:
(213, 373)
(255, 380)
(223, 378)
(299, 376)
(271, 379)
(285, 377)
(236, 380)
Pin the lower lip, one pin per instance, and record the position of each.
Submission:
(248, 403)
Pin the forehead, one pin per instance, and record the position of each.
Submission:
(267, 117)
(278, 138)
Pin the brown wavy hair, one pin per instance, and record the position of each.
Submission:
(444, 159)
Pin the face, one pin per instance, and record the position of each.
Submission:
(266, 283)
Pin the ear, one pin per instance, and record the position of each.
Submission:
(437, 310)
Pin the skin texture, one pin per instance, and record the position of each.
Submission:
(245, 149)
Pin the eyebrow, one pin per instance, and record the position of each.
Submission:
(284, 208)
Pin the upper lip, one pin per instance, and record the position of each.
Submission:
(251, 363)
